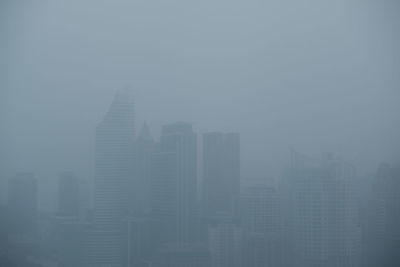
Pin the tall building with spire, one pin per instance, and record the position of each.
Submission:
(115, 136)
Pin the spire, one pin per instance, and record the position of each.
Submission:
(121, 108)
(124, 94)
(144, 134)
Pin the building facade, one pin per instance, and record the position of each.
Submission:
(323, 215)
(113, 170)
(174, 184)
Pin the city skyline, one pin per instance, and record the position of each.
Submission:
(151, 205)
(213, 133)
(246, 180)
(295, 76)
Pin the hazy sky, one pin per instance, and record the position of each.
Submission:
(310, 75)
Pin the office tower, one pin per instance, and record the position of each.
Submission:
(173, 183)
(322, 212)
(225, 241)
(140, 184)
(382, 231)
(68, 195)
(22, 203)
(260, 217)
(221, 173)
(139, 224)
(113, 169)
(182, 255)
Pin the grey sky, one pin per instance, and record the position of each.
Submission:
(310, 75)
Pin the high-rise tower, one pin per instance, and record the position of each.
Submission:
(113, 170)
(140, 184)
(322, 212)
(173, 178)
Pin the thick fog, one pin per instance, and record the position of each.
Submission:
(310, 76)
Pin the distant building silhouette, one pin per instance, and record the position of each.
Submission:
(221, 173)
(174, 184)
(322, 212)
(113, 170)
(68, 195)
(140, 182)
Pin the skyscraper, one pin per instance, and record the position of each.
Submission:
(113, 169)
(68, 195)
(140, 184)
(323, 215)
(221, 173)
(173, 183)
